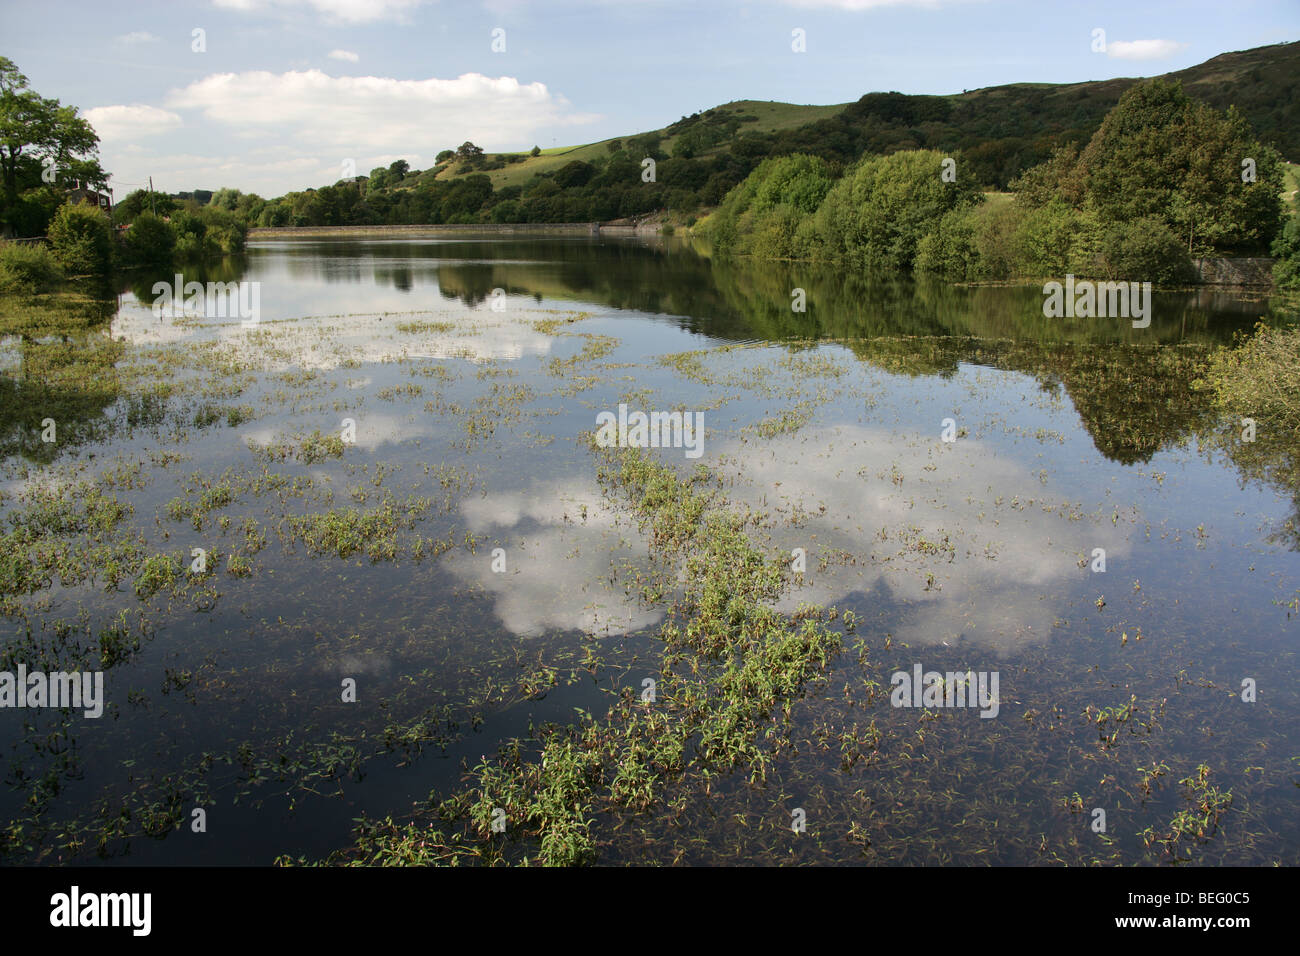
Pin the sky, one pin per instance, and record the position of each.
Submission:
(269, 96)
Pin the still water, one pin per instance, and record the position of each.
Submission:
(406, 556)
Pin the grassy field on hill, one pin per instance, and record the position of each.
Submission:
(769, 117)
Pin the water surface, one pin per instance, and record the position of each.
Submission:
(470, 369)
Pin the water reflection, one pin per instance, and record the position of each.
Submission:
(57, 365)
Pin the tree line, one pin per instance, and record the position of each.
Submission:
(1164, 180)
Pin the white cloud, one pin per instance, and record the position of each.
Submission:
(565, 548)
(998, 572)
(128, 122)
(338, 116)
(1143, 49)
(184, 170)
(345, 11)
(346, 55)
(138, 36)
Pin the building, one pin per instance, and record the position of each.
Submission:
(81, 193)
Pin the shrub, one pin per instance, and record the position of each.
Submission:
(1087, 254)
(762, 216)
(81, 239)
(1145, 250)
(150, 241)
(995, 241)
(191, 236)
(950, 250)
(1286, 271)
(878, 213)
(1255, 378)
(1043, 240)
(225, 232)
(27, 268)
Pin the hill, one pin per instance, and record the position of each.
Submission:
(751, 116)
(1002, 130)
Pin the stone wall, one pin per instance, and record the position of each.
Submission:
(1250, 273)
(285, 232)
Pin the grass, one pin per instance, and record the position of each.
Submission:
(771, 116)
(730, 671)
(1290, 180)
(309, 450)
(346, 531)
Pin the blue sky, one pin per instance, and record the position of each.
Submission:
(288, 94)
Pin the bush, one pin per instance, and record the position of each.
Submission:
(878, 213)
(507, 211)
(1286, 271)
(995, 241)
(1043, 240)
(762, 216)
(191, 236)
(1087, 254)
(27, 268)
(81, 239)
(150, 242)
(950, 250)
(226, 232)
(1256, 377)
(1145, 250)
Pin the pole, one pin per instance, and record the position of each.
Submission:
(152, 207)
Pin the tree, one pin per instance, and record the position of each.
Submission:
(227, 199)
(574, 174)
(443, 156)
(468, 151)
(150, 241)
(1060, 178)
(535, 151)
(81, 239)
(1158, 154)
(1286, 247)
(37, 133)
(764, 214)
(1145, 249)
(141, 200)
(876, 215)
(397, 170)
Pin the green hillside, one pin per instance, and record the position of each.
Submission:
(1002, 130)
(754, 116)
(998, 132)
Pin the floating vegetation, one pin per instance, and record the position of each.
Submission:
(625, 655)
